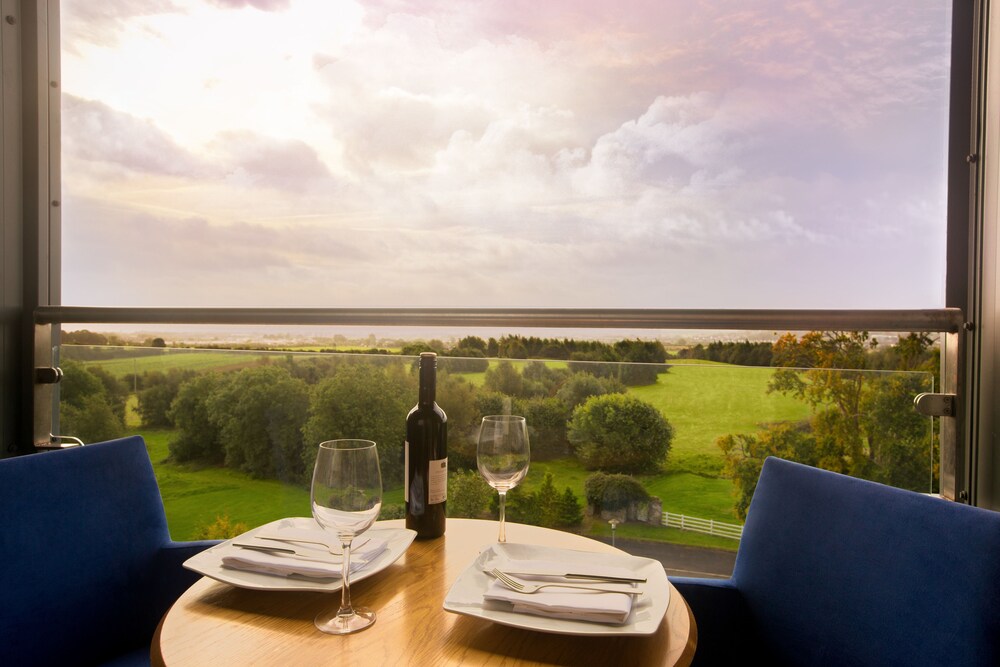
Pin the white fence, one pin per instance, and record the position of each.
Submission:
(707, 526)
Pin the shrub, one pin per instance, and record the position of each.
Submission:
(620, 433)
(469, 495)
(613, 492)
(221, 529)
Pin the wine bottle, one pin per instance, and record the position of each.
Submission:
(425, 455)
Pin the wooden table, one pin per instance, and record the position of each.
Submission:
(217, 624)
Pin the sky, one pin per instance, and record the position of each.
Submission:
(505, 153)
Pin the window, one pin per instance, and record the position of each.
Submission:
(640, 155)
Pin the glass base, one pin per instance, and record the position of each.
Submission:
(332, 623)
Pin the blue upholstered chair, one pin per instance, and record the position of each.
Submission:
(839, 571)
(87, 567)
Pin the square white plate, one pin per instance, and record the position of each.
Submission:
(209, 562)
(466, 594)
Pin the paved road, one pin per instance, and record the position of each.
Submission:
(682, 561)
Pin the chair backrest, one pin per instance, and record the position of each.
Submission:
(79, 529)
(841, 571)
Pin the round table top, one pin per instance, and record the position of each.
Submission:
(217, 624)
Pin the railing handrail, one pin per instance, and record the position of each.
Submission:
(914, 320)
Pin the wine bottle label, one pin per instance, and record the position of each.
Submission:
(437, 481)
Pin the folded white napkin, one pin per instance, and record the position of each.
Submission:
(555, 602)
(572, 604)
(319, 564)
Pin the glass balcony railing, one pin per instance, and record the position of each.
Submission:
(656, 452)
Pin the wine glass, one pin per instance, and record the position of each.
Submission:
(346, 499)
(503, 455)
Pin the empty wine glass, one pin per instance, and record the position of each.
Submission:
(503, 455)
(346, 499)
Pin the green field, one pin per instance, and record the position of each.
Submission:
(170, 358)
(705, 401)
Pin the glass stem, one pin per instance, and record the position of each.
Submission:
(503, 533)
(345, 589)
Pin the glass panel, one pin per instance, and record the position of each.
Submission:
(647, 454)
(724, 154)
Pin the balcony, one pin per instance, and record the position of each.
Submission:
(219, 475)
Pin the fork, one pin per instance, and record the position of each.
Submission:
(522, 586)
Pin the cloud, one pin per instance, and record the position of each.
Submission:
(98, 133)
(284, 164)
(263, 5)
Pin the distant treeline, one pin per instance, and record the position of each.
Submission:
(741, 353)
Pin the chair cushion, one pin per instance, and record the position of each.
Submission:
(81, 529)
(841, 571)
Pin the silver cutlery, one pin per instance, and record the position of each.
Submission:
(284, 551)
(586, 576)
(522, 586)
(336, 551)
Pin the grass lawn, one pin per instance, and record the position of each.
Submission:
(705, 401)
(187, 360)
(194, 497)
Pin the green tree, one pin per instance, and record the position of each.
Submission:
(260, 413)
(863, 422)
(157, 394)
(469, 495)
(198, 433)
(91, 419)
(505, 379)
(613, 492)
(581, 386)
(473, 343)
(85, 410)
(547, 419)
(620, 433)
(744, 456)
(569, 512)
(547, 498)
(459, 400)
(366, 401)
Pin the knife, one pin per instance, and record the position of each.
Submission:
(602, 577)
(287, 551)
(574, 575)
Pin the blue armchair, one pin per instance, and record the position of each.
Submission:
(88, 567)
(839, 571)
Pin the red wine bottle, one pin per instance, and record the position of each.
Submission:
(425, 453)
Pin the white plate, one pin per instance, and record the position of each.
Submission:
(209, 562)
(466, 594)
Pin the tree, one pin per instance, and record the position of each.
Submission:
(91, 419)
(158, 392)
(863, 422)
(260, 413)
(505, 379)
(198, 434)
(613, 492)
(85, 409)
(620, 433)
(458, 398)
(469, 495)
(473, 343)
(744, 456)
(366, 401)
(546, 419)
(569, 512)
(581, 386)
